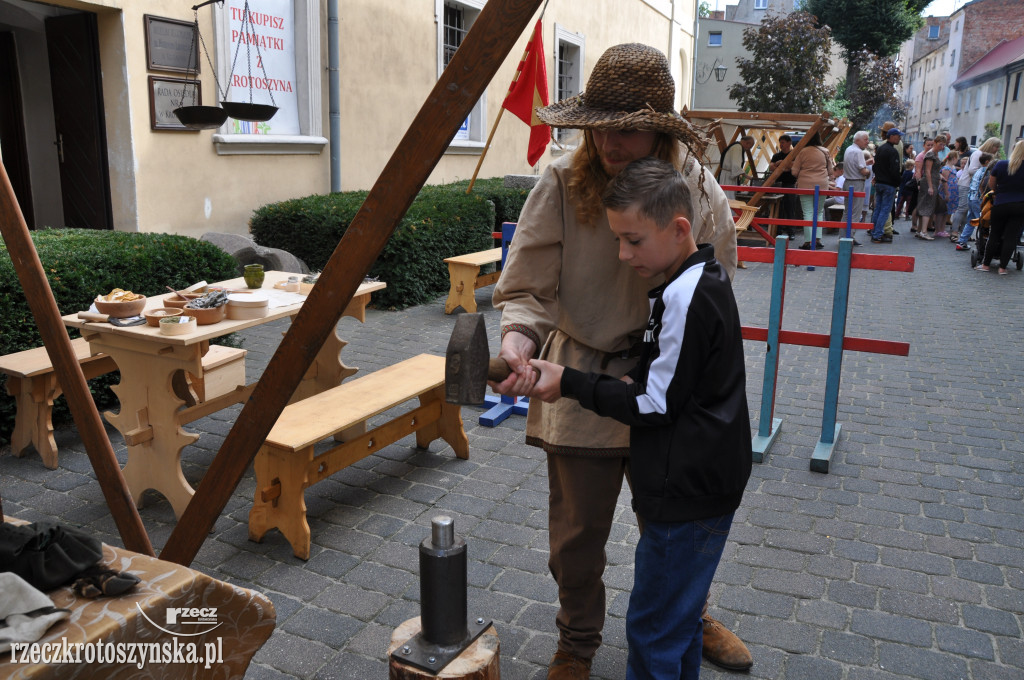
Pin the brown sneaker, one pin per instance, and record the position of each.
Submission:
(566, 666)
(723, 648)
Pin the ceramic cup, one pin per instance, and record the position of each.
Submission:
(253, 275)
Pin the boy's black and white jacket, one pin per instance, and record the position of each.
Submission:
(690, 453)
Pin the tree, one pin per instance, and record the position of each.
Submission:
(879, 26)
(876, 87)
(704, 10)
(786, 74)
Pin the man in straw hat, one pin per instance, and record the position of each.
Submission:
(567, 298)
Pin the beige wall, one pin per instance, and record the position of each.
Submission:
(381, 90)
(170, 181)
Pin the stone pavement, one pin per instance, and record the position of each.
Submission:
(904, 561)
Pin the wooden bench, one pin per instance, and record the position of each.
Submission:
(32, 381)
(286, 463)
(464, 272)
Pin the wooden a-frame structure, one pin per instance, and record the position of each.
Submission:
(727, 127)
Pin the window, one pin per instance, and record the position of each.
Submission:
(959, 101)
(760, 4)
(933, 32)
(977, 99)
(938, 97)
(715, 39)
(568, 73)
(974, 139)
(942, 59)
(1016, 87)
(456, 18)
(991, 96)
(952, 59)
(998, 87)
(297, 128)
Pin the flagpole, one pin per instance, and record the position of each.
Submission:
(487, 146)
(501, 109)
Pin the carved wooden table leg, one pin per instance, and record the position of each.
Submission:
(148, 418)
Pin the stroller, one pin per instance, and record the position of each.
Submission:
(981, 231)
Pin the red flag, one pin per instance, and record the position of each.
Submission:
(529, 90)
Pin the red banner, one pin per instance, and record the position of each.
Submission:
(529, 90)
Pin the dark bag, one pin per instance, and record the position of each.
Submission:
(45, 554)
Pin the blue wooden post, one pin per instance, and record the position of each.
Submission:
(840, 301)
(849, 213)
(503, 407)
(814, 224)
(768, 425)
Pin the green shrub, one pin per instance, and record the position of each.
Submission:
(81, 264)
(443, 221)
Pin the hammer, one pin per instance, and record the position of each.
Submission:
(468, 364)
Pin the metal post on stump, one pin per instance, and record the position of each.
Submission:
(443, 641)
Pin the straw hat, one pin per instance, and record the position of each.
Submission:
(631, 87)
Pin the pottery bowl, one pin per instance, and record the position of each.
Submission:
(153, 316)
(207, 315)
(120, 310)
(175, 300)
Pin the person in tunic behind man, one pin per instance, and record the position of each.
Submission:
(734, 161)
(565, 297)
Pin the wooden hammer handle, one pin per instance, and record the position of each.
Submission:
(498, 369)
(93, 316)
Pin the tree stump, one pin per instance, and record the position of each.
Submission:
(479, 661)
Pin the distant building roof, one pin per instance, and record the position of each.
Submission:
(999, 56)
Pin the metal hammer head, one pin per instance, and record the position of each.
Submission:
(465, 365)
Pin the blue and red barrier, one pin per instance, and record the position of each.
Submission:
(836, 340)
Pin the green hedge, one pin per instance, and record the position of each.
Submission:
(442, 221)
(81, 264)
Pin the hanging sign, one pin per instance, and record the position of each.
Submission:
(271, 71)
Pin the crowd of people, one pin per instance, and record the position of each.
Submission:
(940, 189)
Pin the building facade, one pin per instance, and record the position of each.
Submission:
(939, 55)
(719, 43)
(90, 140)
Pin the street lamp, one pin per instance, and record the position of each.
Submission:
(720, 72)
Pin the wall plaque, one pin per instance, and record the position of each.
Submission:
(171, 45)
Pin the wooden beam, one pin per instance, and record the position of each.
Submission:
(488, 43)
(69, 372)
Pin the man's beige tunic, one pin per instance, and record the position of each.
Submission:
(564, 286)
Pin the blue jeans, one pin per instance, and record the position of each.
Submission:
(884, 196)
(675, 563)
(973, 212)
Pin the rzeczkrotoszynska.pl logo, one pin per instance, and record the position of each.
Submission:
(187, 616)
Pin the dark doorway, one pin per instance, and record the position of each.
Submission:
(12, 127)
(80, 135)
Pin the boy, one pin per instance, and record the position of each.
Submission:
(686, 403)
(974, 202)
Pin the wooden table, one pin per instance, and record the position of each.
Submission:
(154, 396)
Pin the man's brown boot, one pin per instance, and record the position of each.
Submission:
(566, 666)
(723, 648)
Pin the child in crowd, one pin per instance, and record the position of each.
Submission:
(948, 191)
(974, 195)
(690, 453)
(907, 200)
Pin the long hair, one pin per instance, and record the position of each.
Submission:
(1016, 157)
(991, 145)
(961, 144)
(588, 179)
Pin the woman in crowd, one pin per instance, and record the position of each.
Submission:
(813, 167)
(928, 208)
(1007, 179)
